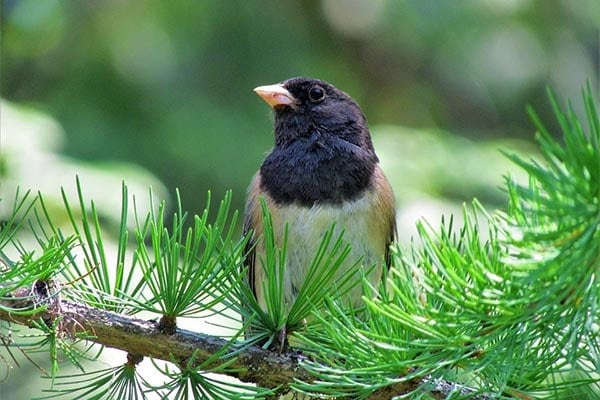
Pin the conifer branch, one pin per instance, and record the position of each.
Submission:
(141, 338)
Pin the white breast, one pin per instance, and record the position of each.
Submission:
(306, 227)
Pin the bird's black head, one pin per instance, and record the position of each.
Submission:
(304, 106)
(323, 151)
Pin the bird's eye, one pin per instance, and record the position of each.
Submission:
(316, 94)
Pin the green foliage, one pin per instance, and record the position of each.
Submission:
(193, 381)
(120, 382)
(173, 272)
(97, 280)
(514, 314)
(183, 269)
(506, 304)
(29, 268)
(59, 344)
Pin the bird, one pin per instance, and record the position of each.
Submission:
(322, 170)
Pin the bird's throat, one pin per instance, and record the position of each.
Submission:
(312, 171)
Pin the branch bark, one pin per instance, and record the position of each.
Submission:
(144, 338)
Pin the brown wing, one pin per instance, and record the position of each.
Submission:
(252, 225)
(385, 210)
(393, 236)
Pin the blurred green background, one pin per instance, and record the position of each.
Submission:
(168, 85)
(160, 92)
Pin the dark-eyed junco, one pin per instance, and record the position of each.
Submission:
(323, 169)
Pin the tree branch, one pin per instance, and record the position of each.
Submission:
(144, 338)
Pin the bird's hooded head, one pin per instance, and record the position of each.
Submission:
(308, 108)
